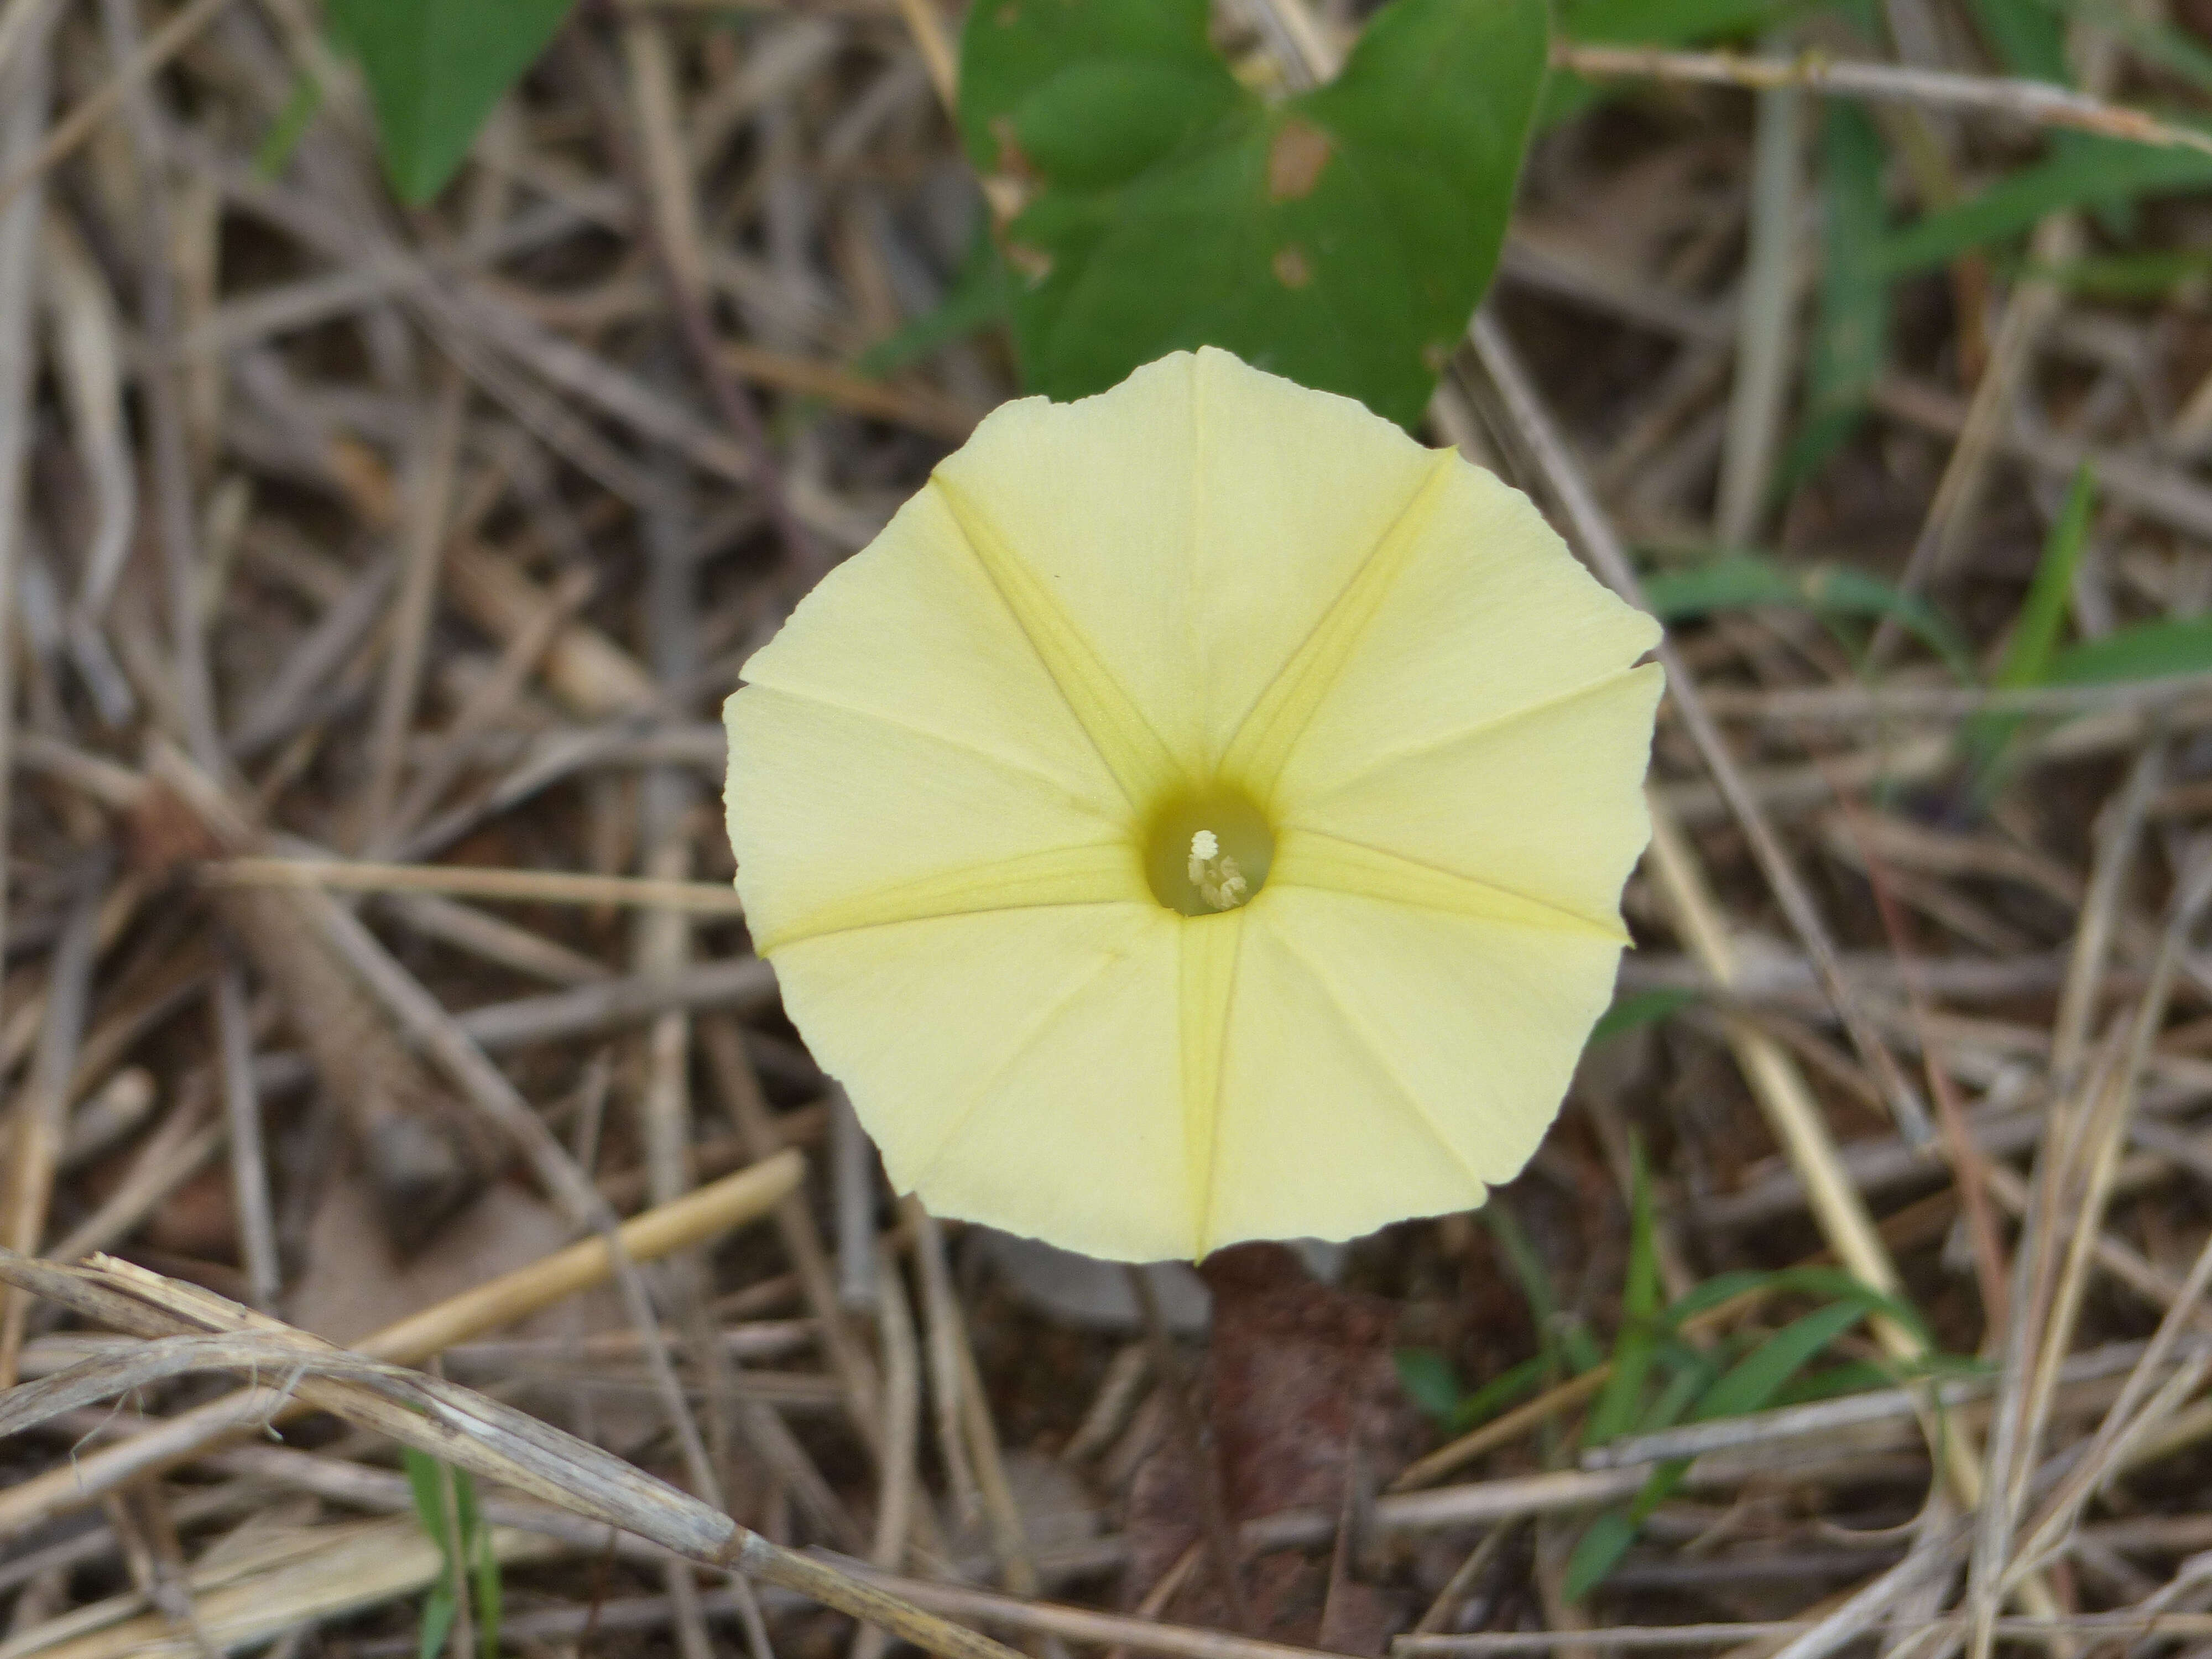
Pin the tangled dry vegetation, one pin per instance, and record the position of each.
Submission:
(375, 578)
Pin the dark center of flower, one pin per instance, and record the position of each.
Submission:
(1208, 851)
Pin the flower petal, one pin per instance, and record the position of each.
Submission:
(1212, 948)
(1386, 1061)
(1548, 807)
(1020, 1068)
(1196, 523)
(1307, 858)
(1488, 616)
(1262, 747)
(1125, 740)
(1101, 873)
(901, 825)
(912, 633)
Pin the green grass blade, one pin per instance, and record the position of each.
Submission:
(1649, 23)
(1739, 582)
(978, 297)
(490, 1595)
(274, 153)
(2157, 44)
(1833, 1381)
(1671, 23)
(2034, 644)
(1840, 590)
(1754, 1381)
(1622, 1397)
(1723, 583)
(2146, 651)
(1639, 1008)
(1693, 1374)
(2043, 614)
(2028, 38)
(2149, 276)
(465, 1503)
(1508, 1388)
(1429, 1382)
(425, 1481)
(1521, 1256)
(1851, 341)
(1597, 1551)
(435, 69)
(1721, 1287)
(1568, 1348)
(2087, 173)
(472, 1560)
(1747, 1386)
(1825, 1284)
(441, 1608)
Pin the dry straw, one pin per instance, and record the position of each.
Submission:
(188, 1330)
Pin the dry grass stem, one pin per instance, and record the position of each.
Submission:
(520, 886)
(2028, 100)
(373, 575)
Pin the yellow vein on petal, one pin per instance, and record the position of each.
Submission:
(1207, 976)
(1132, 751)
(1377, 1051)
(1315, 859)
(1012, 766)
(1376, 761)
(980, 1095)
(1105, 874)
(1257, 755)
(1195, 563)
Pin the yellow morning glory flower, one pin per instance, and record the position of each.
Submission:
(1199, 816)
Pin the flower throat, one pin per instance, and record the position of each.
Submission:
(1208, 852)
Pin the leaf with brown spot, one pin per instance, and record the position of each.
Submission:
(1296, 155)
(1336, 238)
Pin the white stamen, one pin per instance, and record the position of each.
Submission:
(1214, 874)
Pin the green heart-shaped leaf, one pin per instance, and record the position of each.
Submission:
(1340, 238)
(434, 69)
